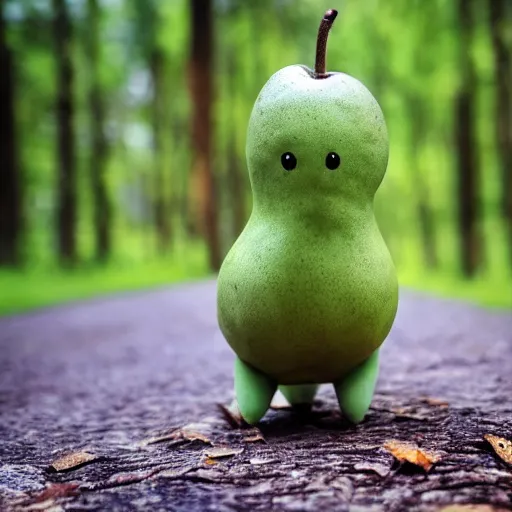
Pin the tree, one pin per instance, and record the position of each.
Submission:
(418, 124)
(501, 19)
(417, 101)
(201, 89)
(99, 148)
(66, 165)
(234, 173)
(468, 181)
(10, 172)
(158, 118)
(154, 57)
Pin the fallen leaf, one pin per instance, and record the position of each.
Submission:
(254, 439)
(190, 435)
(410, 452)
(381, 469)
(177, 436)
(502, 446)
(72, 461)
(436, 402)
(254, 435)
(223, 451)
(232, 414)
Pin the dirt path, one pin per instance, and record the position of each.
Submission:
(106, 376)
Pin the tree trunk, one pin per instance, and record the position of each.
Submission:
(66, 176)
(426, 222)
(500, 20)
(99, 153)
(201, 87)
(235, 179)
(160, 206)
(466, 147)
(10, 176)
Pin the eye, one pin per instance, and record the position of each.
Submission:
(288, 161)
(332, 161)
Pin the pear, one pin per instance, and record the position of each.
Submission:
(308, 292)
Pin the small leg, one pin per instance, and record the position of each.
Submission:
(254, 392)
(302, 394)
(355, 391)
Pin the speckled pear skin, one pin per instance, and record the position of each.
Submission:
(309, 292)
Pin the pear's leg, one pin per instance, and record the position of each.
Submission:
(301, 394)
(254, 391)
(355, 390)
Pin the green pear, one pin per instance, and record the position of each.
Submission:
(308, 292)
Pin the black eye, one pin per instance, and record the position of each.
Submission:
(288, 161)
(332, 161)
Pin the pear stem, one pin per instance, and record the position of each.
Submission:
(321, 42)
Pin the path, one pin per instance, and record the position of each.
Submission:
(107, 375)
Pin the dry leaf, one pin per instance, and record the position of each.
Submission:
(232, 414)
(410, 452)
(223, 451)
(254, 435)
(436, 402)
(254, 439)
(72, 461)
(190, 435)
(177, 436)
(502, 446)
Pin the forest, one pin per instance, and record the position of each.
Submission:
(123, 131)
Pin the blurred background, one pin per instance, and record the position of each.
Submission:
(123, 128)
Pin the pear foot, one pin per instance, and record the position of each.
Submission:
(254, 392)
(355, 390)
(301, 395)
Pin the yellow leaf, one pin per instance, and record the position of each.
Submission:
(72, 460)
(221, 451)
(502, 446)
(410, 452)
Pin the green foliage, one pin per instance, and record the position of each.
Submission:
(37, 287)
(406, 52)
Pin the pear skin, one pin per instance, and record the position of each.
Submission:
(308, 292)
